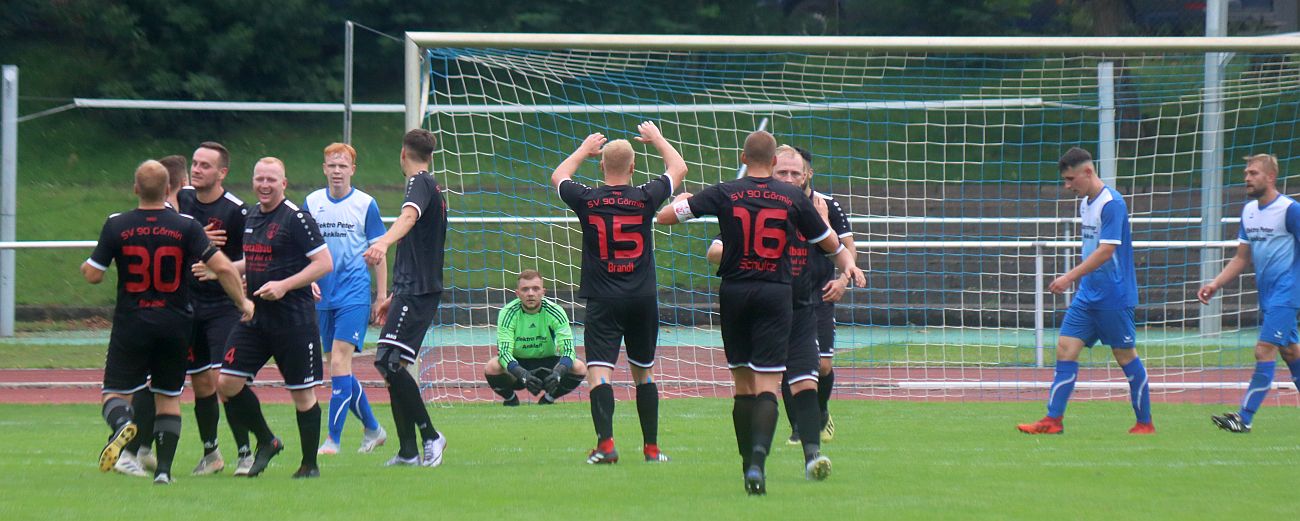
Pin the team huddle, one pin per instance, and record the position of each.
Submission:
(215, 289)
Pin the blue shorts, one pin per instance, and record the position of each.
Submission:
(1278, 326)
(1114, 327)
(346, 323)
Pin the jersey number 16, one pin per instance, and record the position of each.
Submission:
(767, 241)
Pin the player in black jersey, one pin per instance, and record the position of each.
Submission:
(833, 289)
(222, 216)
(618, 276)
(283, 254)
(151, 323)
(807, 290)
(420, 233)
(176, 177)
(758, 218)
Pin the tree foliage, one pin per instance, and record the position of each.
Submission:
(292, 50)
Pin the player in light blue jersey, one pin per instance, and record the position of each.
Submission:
(349, 221)
(1103, 306)
(1270, 239)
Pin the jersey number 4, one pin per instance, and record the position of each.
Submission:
(139, 267)
(766, 241)
(618, 223)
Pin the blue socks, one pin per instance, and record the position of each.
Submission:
(348, 395)
(341, 390)
(361, 406)
(1138, 390)
(1062, 385)
(1260, 382)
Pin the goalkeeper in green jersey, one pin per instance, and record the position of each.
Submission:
(534, 347)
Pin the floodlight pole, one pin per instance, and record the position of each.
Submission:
(347, 82)
(1216, 24)
(8, 193)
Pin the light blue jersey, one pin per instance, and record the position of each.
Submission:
(1113, 285)
(349, 226)
(1273, 232)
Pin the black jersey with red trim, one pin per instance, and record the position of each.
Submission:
(757, 220)
(804, 289)
(823, 267)
(803, 282)
(277, 245)
(618, 257)
(154, 249)
(226, 213)
(417, 270)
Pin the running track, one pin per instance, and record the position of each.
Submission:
(47, 386)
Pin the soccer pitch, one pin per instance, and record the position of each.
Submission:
(893, 460)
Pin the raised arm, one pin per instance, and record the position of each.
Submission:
(674, 165)
(590, 147)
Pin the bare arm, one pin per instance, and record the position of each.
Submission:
(674, 165)
(667, 215)
(1234, 268)
(381, 290)
(229, 278)
(92, 274)
(1101, 256)
(321, 264)
(377, 251)
(590, 147)
(714, 255)
(843, 259)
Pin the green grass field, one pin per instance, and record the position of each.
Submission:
(892, 460)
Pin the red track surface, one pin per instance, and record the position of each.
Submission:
(82, 385)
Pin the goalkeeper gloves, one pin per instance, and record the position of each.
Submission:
(562, 368)
(526, 378)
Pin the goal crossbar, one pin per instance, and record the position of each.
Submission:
(416, 82)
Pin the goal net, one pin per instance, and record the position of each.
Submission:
(945, 160)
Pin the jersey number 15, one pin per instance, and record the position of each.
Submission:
(617, 223)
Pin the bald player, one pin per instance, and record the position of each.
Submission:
(151, 322)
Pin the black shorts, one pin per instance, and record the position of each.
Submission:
(211, 331)
(756, 319)
(149, 353)
(631, 321)
(296, 350)
(802, 361)
(409, 319)
(540, 367)
(826, 329)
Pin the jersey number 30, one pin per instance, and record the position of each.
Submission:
(164, 256)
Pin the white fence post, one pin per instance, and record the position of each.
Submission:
(1039, 305)
(8, 194)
